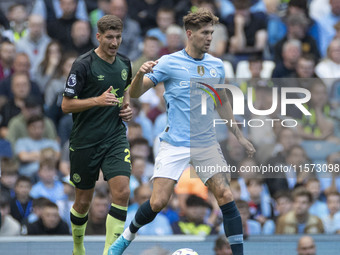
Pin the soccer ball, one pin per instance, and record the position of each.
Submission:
(185, 251)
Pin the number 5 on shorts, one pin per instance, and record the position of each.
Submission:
(127, 157)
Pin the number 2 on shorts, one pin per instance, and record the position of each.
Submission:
(127, 157)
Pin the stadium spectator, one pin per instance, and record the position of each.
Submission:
(103, 8)
(132, 30)
(81, 37)
(9, 175)
(145, 12)
(60, 29)
(65, 204)
(260, 207)
(165, 18)
(160, 108)
(175, 40)
(222, 246)
(29, 149)
(332, 183)
(235, 189)
(193, 221)
(291, 52)
(34, 43)
(21, 64)
(160, 225)
(247, 31)
(318, 207)
(219, 41)
(9, 226)
(20, 87)
(189, 184)
(17, 16)
(97, 214)
(283, 203)
(327, 22)
(318, 126)
(140, 118)
(329, 68)
(151, 50)
(21, 204)
(331, 222)
(49, 222)
(138, 176)
(51, 10)
(53, 97)
(306, 246)
(18, 128)
(7, 55)
(297, 156)
(299, 220)
(38, 205)
(305, 71)
(250, 227)
(277, 27)
(297, 29)
(134, 131)
(48, 185)
(226, 7)
(286, 139)
(48, 66)
(140, 148)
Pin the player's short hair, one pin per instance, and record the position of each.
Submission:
(109, 22)
(199, 19)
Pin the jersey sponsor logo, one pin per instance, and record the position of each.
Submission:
(76, 178)
(124, 74)
(100, 77)
(200, 70)
(69, 90)
(213, 72)
(72, 80)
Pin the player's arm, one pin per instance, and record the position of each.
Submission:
(126, 112)
(225, 111)
(140, 83)
(73, 105)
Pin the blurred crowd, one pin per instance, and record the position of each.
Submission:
(264, 44)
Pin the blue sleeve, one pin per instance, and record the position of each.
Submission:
(160, 71)
(81, 12)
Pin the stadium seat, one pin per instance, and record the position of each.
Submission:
(242, 69)
(318, 151)
(229, 71)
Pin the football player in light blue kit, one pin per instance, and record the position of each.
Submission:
(180, 144)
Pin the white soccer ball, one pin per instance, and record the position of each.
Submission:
(185, 251)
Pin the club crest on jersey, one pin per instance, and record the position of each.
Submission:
(213, 72)
(200, 70)
(124, 74)
(72, 80)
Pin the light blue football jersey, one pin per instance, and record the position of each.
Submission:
(185, 80)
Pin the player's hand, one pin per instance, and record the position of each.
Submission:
(107, 98)
(147, 67)
(248, 146)
(126, 112)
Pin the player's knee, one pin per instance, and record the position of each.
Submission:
(82, 206)
(122, 193)
(158, 204)
(224, 196)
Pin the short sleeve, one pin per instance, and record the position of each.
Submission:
(75, 80)
(160, 71)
